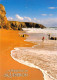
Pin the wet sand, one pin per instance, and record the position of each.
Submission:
(10, 39)
(35, 58)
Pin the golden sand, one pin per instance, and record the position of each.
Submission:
(10, 39)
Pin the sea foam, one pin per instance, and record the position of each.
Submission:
(35, 58)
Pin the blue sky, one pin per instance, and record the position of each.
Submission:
(39, 11)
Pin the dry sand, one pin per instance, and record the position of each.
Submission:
(8, 40)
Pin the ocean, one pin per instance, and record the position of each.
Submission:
(43, 55)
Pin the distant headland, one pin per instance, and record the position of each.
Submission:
(15, 25)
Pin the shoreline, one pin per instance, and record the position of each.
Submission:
(27, 63)
(46, 75)
(8, 40)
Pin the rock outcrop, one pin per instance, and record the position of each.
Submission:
(15, 25)
(34, 25)
(3, 19)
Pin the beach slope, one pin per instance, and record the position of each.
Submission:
(9, 39)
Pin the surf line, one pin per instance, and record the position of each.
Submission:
(32, 65)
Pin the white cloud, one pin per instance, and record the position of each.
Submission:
(50, 14)
(27, 18)
(44, 14)
(10, 18)
(50, 22)
(19, 17)
(47, 14)
(52, 7)
(35, 19)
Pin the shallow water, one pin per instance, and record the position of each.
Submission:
(46, 60)
(43, 55)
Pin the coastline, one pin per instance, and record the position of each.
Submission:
(8, 40)
(32, 58)
(49, 44)
(27, 63)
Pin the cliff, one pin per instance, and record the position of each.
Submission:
(15, 25)
(19, 25)
(34, 25)
(3, 19)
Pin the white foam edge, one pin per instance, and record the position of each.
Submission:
(33, 66)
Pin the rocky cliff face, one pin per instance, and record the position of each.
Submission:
(3, 19)
(15, 25)
(34, 25)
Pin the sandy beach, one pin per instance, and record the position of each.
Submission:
(42, 56)
(9, 39)
(28, 40)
